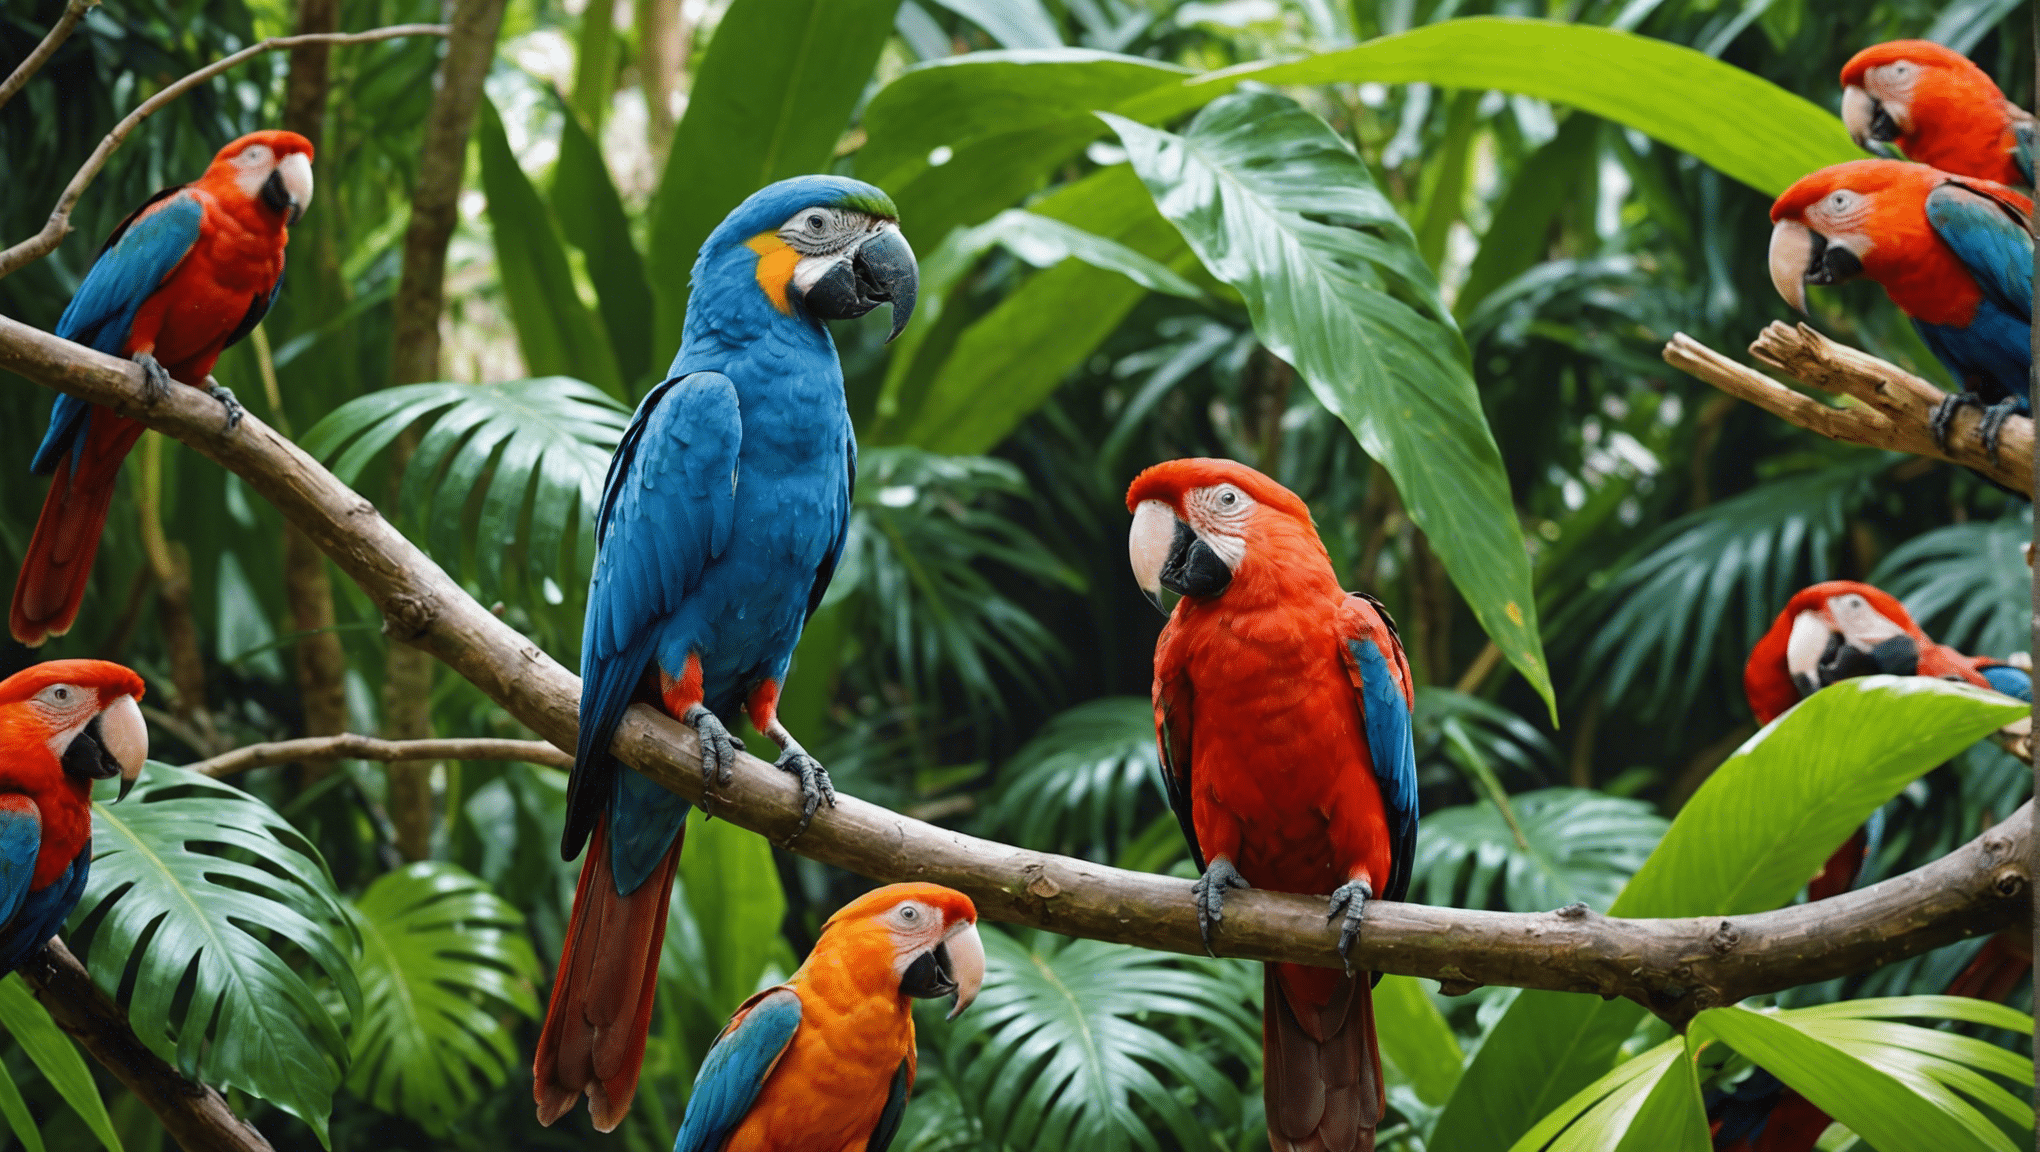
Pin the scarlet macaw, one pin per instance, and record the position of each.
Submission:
(826, 1060)
(63, 724)
(188, 274)
(1955, 254)
(1282, 712)
(722, 520)
(1939, 108)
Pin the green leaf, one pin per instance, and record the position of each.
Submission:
(1576, 845)
(1658, 1087)
(1542, 187)
(732, 888)
(556, 332)
(772, 96)
(445, 967)
(1967, 583)
(1279, 206)
(591, 215)
(1767, 818)
(15, 1111)
(1673, 1117)
(1070, 1045)
(1417, 1045)
(1444, 195)
(198, 893)
(1546, 1049)
(1083, 781)
(55, 1056)
(1890, 1113)
(955, 140)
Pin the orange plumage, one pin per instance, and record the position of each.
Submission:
(1938, 107)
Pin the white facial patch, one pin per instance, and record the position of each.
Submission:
(1861, 625)
(1219, 515)
(252, 166)
(1840, 216)
(64, 709)
(1892, 86)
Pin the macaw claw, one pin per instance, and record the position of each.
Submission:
(1209, 893)
(815, 787)
(155, 378)
(718, 748)
(225, 396)
(1992, 425)
(1349, 900)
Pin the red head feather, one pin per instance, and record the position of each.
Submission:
(1948, 112)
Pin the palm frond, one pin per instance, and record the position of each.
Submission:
(445, 967)
(1968, 584)
(1553, 847)
(1080, 784)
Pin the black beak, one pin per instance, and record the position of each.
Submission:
(1192, 568)
(931, 976)
(881, 270)
(1831, 263)
(87, 757)
(1883, 128)
(278, 198)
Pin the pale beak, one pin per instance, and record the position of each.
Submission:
(1857, 109)
(1791, 255)
(1148, 544)
(967, 963)
(293, 184)
(126, 738)
(1805, 650)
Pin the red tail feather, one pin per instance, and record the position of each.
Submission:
(1838, 875)
(594, 1038)
(59, 561)
(1321, 1065)
(1996, 970)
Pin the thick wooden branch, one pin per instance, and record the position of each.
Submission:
(44, 242)
(1676, 967)
(195, 1115)
(352, 746)
(59, 32)
(1889, 407)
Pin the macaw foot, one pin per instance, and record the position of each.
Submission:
(1349, 900)
(1209, 893)
(718, 748)
(815, 787)
(225, 396)
(1943, 418)
(1992, 425)
(155, 378)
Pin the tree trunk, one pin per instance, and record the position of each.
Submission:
(665, 37)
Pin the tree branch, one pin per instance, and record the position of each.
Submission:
(1675, 967)
(195, 1115)
(351, 746)
(1891, 406)
(59, 32)
(44, 242)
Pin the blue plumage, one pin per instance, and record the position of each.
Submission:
(735, 1069)
(1393, 750)
(2014, 682)
(29, 918)
(1990, 356)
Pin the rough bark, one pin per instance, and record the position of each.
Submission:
(350, 746)
(1674, 967)
(665, 36)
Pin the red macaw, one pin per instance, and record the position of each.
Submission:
(63, 724)
(1282, 711)
(1939, 108)
(1954, 253)
(190, 272)
(825, 1061)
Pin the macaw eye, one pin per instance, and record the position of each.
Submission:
(1851, 601)
(1228, 498)
(58, 694)
(815, 222)
(909, 913)
(255, 154)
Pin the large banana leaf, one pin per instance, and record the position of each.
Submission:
(772, 96)
(56, 1058)
(445, 969)
(557, 333)
(1278, 205)
(1066, 1047)
(200, 896)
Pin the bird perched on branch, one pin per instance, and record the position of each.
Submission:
(826, 1060)
(722, 520)
(1939, 108)
(187, 275)
(1954, 253)
(1282, 712)
(63, 724)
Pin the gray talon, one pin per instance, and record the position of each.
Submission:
(1209, 893)
(225, 396)
(155, 378)
(815, 788)
(1992, 424)
(718, 747)
(1349, 900)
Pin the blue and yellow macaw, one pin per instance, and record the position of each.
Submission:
(723, 518)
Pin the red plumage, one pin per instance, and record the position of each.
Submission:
(1259, 716)
(31, 771)
(1937, 106)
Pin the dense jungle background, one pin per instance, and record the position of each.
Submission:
(378, 939)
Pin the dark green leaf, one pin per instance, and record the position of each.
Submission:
(1547, 1047)
(592, 217)
(55, 1057)
(1540, 190)
(1576, 845)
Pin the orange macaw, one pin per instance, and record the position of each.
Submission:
(189, 273)
(1939, 108)
(1282, 711)
(825, 1061)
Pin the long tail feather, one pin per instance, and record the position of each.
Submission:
(594, 1038)
(51, 586)
(1321, 1065)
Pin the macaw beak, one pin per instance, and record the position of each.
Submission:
(289, 187)
(1806, 648)
(1148, 545)
(955, 967)
(1841, 644)
(879, 270)
(113, 743)
(1801, 256)
(1859, 108)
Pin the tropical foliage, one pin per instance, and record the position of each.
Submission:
(1414, 259)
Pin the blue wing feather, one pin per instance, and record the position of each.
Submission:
(20, 841)
(142, 253)
(1393, 750)
(736, 1068)
(2011, 681)
(43, 912)
(1989, 238)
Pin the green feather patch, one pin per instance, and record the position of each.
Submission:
(875, 204)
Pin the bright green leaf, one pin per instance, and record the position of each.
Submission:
(55, 1056)
(15, 1111)
(1417, 1045)
(733, 890)
(1548, 1047)
(1279, 206)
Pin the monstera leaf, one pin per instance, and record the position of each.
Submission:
(201, 902)
(445, 967)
